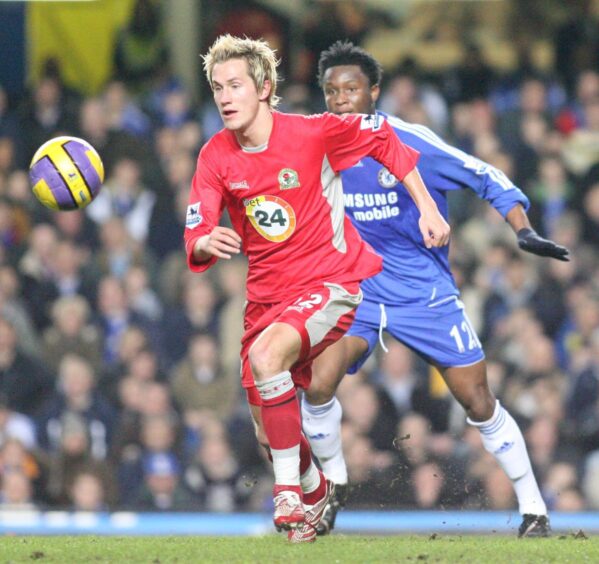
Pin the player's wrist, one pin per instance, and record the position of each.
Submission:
(200, 249)
(525, 232)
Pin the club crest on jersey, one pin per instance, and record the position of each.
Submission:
(288, 179)
(386, 179)
(372, 121)
(193, 217)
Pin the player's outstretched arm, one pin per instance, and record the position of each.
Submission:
(221, 242)
(529, 240)
(435, 230)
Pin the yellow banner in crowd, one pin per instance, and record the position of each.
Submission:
(80, 35)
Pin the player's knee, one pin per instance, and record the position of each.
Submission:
(480, 404)
(265, 360)
(320, 392)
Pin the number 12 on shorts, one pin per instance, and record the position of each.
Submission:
(468, 330)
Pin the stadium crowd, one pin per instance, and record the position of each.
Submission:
(119, 369)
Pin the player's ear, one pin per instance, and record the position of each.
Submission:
(265, 92)
(375, 92)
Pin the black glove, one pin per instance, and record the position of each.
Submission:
(530, 241)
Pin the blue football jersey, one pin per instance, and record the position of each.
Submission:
(387, 218)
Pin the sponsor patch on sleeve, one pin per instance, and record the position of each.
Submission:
(193, 217)
(372, 121)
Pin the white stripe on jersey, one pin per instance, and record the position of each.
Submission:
(427, 135)
(469, 162)
(332, 189)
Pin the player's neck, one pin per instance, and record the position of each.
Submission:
(257, 132)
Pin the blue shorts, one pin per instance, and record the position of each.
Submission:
(441, 332)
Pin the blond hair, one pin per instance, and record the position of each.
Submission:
(261, 60)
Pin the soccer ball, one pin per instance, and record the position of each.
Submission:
(66, 173)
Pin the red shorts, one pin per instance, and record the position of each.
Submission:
(321, 316)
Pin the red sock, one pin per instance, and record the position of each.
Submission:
(305, 462)
(312, 497)
(282, 421)
(305, 455)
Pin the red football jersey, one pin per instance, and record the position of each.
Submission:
(285, 200)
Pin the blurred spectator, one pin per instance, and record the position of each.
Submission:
(123, 113)
(141, 50)
(72, 456)
(590, 215)
(499, 493)
(119, 251)
(71, 332)
(577, 41)
(372, 479)
(197, 312)
(230, 318)
(45, 114)
(580, 150)
(561, 479)
(513, 290)
(115, 317)
(571, 116)
(111, 144)
(414, 102)
(14, 425)
(215, 477)
(140, 295)
(397, 376)
(76, 227)
(23, 380)
(66, 277)
(362, 409)
(87, 493)
(162, 490)
(144, 366)
(124, 196)
(76, 396)
(198, 382)
(147, 406)
(432, 489)
(13, 309)
(551, 191)
(472, 79)
(16, 457)
(37, 267)
(583, 400)
(10, 128)
(543, 441)
(16, 493)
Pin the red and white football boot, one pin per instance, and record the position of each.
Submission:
(313, 515)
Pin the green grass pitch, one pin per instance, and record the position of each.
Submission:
(273, 548)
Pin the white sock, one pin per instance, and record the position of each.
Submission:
(310, 479)
(322, 426)
(502, 438)
(285, 463)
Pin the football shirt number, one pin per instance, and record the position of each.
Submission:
(473, 342)
(271, 216)
(265, 221)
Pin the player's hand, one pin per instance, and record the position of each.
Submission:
(530, 241)
(221, 242)
(435, 230)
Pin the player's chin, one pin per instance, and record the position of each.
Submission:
(231, 124)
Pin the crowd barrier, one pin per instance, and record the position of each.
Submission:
(364, 522)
